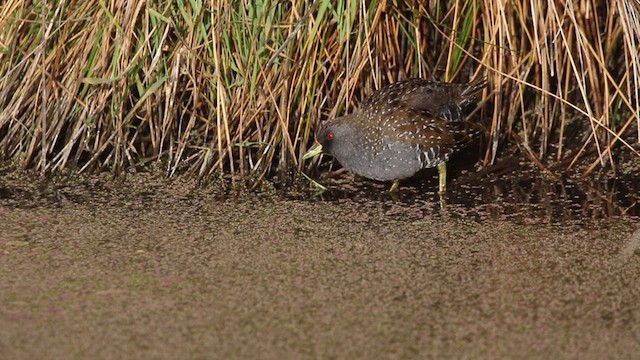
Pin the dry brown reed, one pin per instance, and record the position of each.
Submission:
(238, 86)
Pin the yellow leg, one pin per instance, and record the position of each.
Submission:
(442, 177)
(395, 186)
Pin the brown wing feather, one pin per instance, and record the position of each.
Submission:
(444, 100)
(430, 132)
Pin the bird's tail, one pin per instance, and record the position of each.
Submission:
(463, 100)
(473, 88)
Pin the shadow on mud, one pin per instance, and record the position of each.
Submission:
(506, 190)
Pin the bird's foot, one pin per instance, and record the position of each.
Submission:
(395, 186)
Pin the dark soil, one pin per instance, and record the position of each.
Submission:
(147, 268)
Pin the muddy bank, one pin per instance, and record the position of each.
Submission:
(101, 271)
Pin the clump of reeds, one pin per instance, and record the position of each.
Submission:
(238, 87)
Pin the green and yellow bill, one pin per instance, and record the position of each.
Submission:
(314, 151)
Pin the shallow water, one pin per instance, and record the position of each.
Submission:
(151, 268)
(510, 191)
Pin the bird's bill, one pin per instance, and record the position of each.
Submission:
(313, 152)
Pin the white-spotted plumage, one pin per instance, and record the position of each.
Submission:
(403, 128)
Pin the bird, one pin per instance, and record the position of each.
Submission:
(401, 129)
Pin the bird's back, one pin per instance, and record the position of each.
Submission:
(448, 101)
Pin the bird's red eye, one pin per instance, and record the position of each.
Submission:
(330, 136)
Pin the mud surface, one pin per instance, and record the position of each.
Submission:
(156, 269)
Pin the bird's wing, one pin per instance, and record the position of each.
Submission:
(444, 100)
(430, 132)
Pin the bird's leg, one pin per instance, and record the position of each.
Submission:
(442, 177)
(395, 186)
(443, 201)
